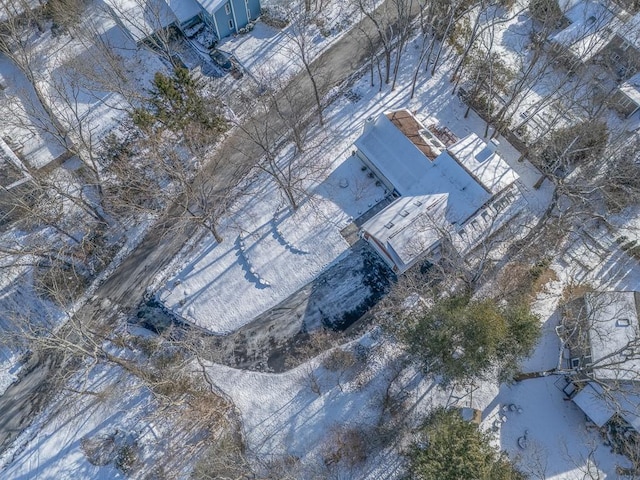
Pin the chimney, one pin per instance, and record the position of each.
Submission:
(368, 123)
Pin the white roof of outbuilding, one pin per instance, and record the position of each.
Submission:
(486, 166)
(184, 9)
(600, 405)
(592, 402)
(631, 88)
(142, 18)
(592, 27)
(613, 330)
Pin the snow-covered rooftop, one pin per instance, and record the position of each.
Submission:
(600, 405)
(24, 125)
(409, 226)
(395, 156)
(630, 31)
(592, 27)
(142, 18)
(184, 10)
(613, 329)
(591, 402)
(631, 88)
(212, 6)
(9, 160)
(481, 161)
(469, 165)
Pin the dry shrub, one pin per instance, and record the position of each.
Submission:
(316, 343)
(224, 459)
(346, 445)
(339, 359)
(99, 450)
(574, 291)
(518, 281)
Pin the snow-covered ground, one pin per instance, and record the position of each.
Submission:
(268, 253)
(52, 446)
(267, 52)
(214, 287)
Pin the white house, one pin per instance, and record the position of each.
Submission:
(442, 191)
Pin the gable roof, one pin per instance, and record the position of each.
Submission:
(613, 328)
(142, 18)
(184, 10)
(592, 26)
(409, 226)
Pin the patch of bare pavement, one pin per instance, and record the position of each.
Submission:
(27, 397)
(126, 287)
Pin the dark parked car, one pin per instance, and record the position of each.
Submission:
(222, 60)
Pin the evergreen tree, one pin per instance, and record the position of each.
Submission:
(461, 339)
(454, 449)
(177, 103)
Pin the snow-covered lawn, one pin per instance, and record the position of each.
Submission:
(558, 444)
(51, 446)
(268, 253)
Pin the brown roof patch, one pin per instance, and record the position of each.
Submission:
(409, 125)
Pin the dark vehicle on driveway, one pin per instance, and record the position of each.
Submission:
(222, 60)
